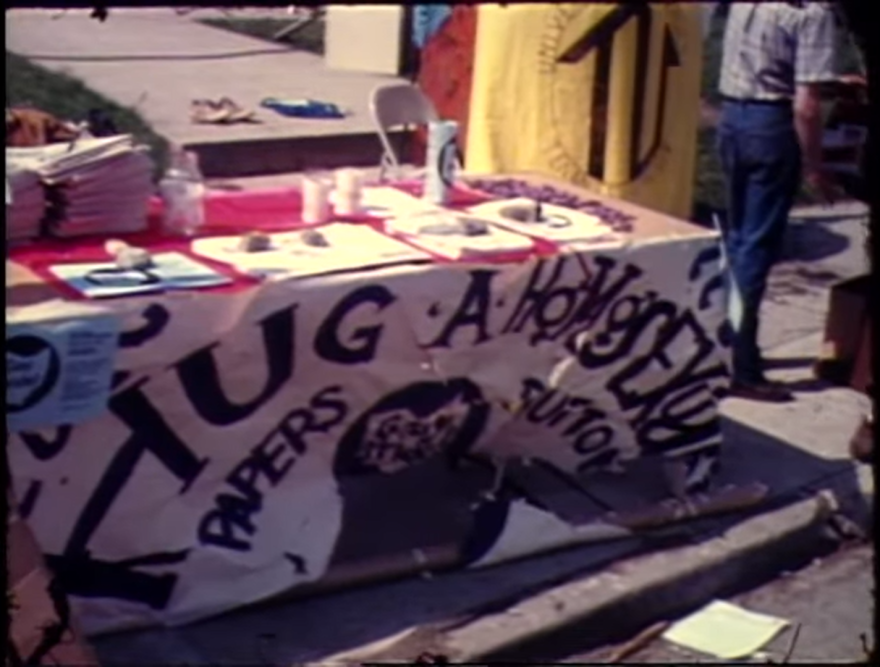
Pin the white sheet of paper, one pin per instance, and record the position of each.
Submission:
(457, 246)
(388, 202)
(351, 247)
(563, 225)
(725, 631)
(174, 271)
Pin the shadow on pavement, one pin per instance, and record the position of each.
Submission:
(316, 628)
(814, 239)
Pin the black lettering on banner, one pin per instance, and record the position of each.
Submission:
(157, 318)
(532, 389)
(710, 255)
(535, 293)
(583, 424)
(653, 400)
(587, 415)
(84, 576)
(602, 292)
(45, 449)
(599, 458)
(593, 439)
(552, 411)
(200, 377)
(634, 387)
(553, 309)
(362, 344)
(149, 433)
(717, 282)
(29, 498)
(673, 429)
(472, 311)
(628, 320)
(230, 514)
(334, 409)
(270, 460)
(230, 523)
(294, 425)
(300, 566)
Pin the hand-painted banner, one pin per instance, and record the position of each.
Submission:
(262, 441)
(605, 96)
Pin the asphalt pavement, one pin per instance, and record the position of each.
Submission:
(830, 606)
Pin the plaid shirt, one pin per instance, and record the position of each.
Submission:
(769, 47)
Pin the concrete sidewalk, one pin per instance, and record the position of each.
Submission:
(504, 611)
(158, 61)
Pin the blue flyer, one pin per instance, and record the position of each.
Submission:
(58, 370)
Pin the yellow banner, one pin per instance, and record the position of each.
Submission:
(603, 96)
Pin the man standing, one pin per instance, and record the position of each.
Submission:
(776, 56)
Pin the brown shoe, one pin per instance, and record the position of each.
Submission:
(764, 391)
(861, 446)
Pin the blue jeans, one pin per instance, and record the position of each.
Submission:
(761, 159)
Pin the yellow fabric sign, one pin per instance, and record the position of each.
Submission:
(603, 96)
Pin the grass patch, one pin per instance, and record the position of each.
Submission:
(309, 38)
(709, 185)
(28, 84)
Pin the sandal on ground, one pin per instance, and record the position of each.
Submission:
(237, 114)
(208, 112)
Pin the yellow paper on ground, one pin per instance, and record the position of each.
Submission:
(725, 631)
(603, 96)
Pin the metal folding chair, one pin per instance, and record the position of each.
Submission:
(398, 106)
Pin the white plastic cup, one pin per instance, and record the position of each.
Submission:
(315, 200)
(348, 192)
(348, 181)
(348, 203)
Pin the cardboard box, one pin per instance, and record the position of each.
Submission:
(33, 613)
(848, 311)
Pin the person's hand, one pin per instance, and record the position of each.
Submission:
(853, 80)
(821, 186)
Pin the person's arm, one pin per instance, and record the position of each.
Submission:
(814, 66)
(808, 123)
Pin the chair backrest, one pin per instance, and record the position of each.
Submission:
(401, 104)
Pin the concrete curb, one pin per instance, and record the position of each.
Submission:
(284, 155)
(657, 586)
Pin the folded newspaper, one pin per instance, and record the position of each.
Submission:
(90, 186)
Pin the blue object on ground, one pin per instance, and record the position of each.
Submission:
(427, 20)
(303, 108)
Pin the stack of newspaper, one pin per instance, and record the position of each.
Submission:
(25, 204)
(91, 186)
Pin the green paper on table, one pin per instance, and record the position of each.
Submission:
(725, 630)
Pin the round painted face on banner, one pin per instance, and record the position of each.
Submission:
(32, 371)
(602, 48)
(411, 425)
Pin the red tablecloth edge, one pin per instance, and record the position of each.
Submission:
(223, 209)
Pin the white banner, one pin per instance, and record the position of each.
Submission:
(257, 442)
